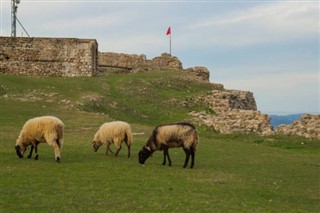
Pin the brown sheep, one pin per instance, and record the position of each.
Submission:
(168, 136)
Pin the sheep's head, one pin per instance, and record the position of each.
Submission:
(20, 149)
(96, 146)
(144, 154)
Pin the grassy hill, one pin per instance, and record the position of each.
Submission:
(233, 173)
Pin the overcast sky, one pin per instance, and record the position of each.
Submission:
(270, 48)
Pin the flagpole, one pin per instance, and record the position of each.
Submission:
(170, 43)
(169, 33)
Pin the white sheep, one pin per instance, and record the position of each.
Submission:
(113, 132)
(168, 136)
(45, 129)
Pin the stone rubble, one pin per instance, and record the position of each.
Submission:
(232, 111)
(307, 126)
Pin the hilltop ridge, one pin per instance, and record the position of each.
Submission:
(224, 110)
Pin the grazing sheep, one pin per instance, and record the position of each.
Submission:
(45, 129)
(168, 136)
(113, 132)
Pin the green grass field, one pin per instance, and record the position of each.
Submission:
(232, 173)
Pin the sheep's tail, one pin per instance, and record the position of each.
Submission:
(59, 140)
(195, 139)
(128, 137)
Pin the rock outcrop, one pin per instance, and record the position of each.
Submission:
(232, 111)
(202, 73)
(244, 121)
(165, 61)
(226, 100)
(307, 126)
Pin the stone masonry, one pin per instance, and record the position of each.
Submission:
(48, 56)
(307, 126)
(234, 111)
(138, 62)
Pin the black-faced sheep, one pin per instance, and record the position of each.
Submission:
(113, 132)
(168, 136)
(45, 129)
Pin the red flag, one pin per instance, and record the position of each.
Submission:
(168, 31)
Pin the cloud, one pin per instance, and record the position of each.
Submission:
(264, 23)
(280, 81)
(247, 25)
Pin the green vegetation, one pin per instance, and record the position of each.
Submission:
(233, 173)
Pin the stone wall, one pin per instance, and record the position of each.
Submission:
(48, 56)
(244, 121)
(139, 63)
(307, 126)
(134, 61)
(121, 60)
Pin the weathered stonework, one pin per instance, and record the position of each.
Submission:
(121, 60)
(48, 56)
(166, 61)
(226, 100)
(245, 121)
(307, 126)
(138, 62)
(202, 73)
(234, 111)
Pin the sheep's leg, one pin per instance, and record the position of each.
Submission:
(57, 150)
(164, 157)
(36, 157)
(166, 154)
(117, 144)
(128, 148)
(117, 152)
(108, 149)
(128, 151)
(31, 150)
(192, 158)
(111, 151)
(187, 151)
(170, 163)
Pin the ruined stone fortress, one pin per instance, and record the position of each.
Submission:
(48, 56)
(235, 111)
(71, 57)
